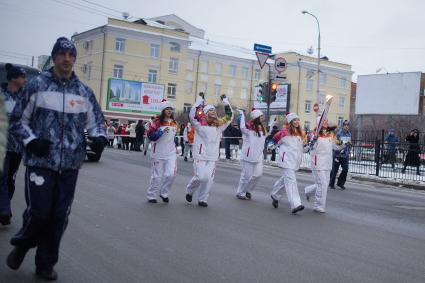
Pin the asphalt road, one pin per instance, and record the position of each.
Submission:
(370, 233)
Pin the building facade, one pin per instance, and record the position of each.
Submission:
(159, 52)
(174, 55)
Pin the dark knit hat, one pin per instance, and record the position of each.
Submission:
(63, 44)
(13, 72)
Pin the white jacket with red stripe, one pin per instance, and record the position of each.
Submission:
(162, 134)
(207, 138)
(322, 153)
(290, 149)
(253, 144)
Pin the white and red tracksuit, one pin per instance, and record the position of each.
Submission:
(205, 151)
(290, 157)
(163, 158)
(251, 158)
(321, 166)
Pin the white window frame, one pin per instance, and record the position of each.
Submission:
(171, 91)
(189, 87)
(173, 66)
(309, 85)
(323, 78)
(341, 101)
(343, 83)
(203, 66)
(152, 76)
(340, 121)
(175, 47)
(307, 106)
(307, 125)
(118, 71)
(189, 64)
(232, 70)
(230, 91)
(244, 93)
(217, 90)
(88, 71)
(245, 73)
(257, 74)
(120, 44)
(187, 107)
(322, 98)
(218, 68)
(154, 50)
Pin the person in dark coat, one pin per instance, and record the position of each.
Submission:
(140, 133)
(412, 157)
(231, 137)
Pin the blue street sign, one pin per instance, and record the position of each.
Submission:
(262, 48)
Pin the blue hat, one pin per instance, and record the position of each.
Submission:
(63, 44)
(13, 72)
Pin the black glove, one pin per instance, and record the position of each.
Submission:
(98, 144)
(39, 147)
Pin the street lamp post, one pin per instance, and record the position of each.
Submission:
(318, 56)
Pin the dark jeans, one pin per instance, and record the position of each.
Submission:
(343, 162)
(7, 180)
(49, 195)
(227, 147)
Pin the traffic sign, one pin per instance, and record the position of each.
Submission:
(262, 58)
(316, 107)
(280, 64)
(262, 48)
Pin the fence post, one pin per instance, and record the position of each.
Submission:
(377, 155)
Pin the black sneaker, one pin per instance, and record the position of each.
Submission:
(275, 202)
(298, 208)
(332, 187)
(5, 219)
(152, 201)
(16, 257)
(241, 197)
(342, 187)
(248, 195)
(185, 158)
(202, 204)
(48, 275)
(166, 200)
(189, 197)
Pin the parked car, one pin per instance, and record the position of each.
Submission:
(31, 72)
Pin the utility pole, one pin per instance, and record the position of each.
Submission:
(268, 94)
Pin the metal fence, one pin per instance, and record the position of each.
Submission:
(384, 160)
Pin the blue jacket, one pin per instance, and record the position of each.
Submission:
(344, 137)
(58, 112)
(13, 142)
(391, 142)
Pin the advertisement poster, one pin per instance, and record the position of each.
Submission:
(133, 96)
(279, 104)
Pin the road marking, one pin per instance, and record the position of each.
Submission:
(409, 207)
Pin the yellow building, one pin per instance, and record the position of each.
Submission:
(166, 51)
(335, 80)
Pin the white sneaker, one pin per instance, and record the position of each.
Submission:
(319, 210)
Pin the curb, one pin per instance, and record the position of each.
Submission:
(374, 179)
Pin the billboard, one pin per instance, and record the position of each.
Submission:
(133, 96)
(281, 102)
(388, 94)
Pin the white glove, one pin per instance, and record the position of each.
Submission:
(199, 101)
(226, 101)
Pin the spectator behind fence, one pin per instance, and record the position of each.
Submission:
(412, 157)
(390, 146)
(231, 138)
(273, 131)
(140, 132)
(111, 135)
(341, 157)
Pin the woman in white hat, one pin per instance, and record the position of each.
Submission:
(290, 140)
(161, 133)
(254, 135)
(208, 130)
(321, 165)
